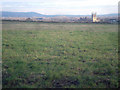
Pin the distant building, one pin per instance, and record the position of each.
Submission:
(39, 18)
(113, 20)
(94, 18)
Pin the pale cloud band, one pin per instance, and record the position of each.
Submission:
(76, 7)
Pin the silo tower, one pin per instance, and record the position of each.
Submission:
(94, 18)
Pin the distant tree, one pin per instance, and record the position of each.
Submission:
(28, 19)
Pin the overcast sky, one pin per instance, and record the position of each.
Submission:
(55, 7)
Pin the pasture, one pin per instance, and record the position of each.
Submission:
(55, 55)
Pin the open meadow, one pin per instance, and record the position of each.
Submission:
(55, 55)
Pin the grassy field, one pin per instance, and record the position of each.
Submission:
(68, 55)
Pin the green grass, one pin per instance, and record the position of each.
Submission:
(68, 55)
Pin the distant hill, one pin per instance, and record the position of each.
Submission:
(34, 14)
(112, 15)
(20, 14)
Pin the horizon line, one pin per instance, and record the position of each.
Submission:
(57, 14)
